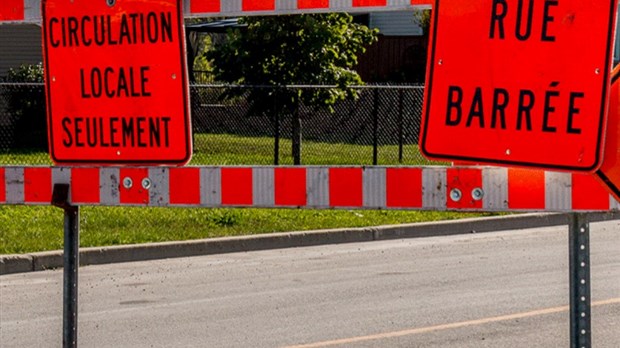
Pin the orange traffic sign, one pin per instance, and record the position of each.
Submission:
(116, 82)
(519, 83)
(609, 173)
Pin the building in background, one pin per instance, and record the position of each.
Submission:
(21, 44)
(399, 56)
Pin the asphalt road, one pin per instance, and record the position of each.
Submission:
(504, 289)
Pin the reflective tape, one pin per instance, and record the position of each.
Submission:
(263, 191)
(237, 186)
(109, 181)
(317, 186)
(403, 188)
(374, 187)
(290, 187)
(29, 11)
(84, 185)
(495, 189)
(210, 187)
(14, 181)
(464, 188)
(345, 187)
(424, 188)
(131, 187)
(183, 186)
(558, 191)
(157, 185)
(434, 186)
(37, 184)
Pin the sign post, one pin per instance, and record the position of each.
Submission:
(116, 82)
(579, 269)
(117, 94)
(520, 83)
(71, 260)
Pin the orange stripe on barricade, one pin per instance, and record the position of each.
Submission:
(2, 186)
(11, 10)
(237, 186)
(404, 188)
(457, 188)
(526, 189)
(290, 186)
(184, 185)
(588, 193)
(135, 194)
(367, 3)
(310, 4)
(85, 185)
(466, 180)
(258, 5)
(345, 187)
(205, 6)
(37, 185)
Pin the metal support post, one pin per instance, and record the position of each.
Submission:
(71, 263)
(401, 139)
(579, 268)
(375, 128)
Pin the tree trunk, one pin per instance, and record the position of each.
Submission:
(191, 38)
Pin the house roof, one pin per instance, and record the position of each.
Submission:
(215, 26)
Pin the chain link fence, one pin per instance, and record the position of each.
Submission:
(378, 127)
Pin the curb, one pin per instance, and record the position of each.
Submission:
(143, 252)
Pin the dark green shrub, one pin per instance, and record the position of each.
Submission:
(24, 96)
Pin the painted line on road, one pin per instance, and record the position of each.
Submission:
(449, 326)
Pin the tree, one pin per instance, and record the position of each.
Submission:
(423, 19)
(25, 103)
(313, 49)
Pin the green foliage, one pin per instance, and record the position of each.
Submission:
(423, 18)
(311, 49)
(27, 73)
(26, 105)
(224, 218)
(202, 66)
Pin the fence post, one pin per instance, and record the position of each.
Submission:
(276, 140)
(400, 126)
(60, 197)
(375, 127)
(296, 141)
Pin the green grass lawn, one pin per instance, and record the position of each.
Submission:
(30, 229)
(226, 149)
